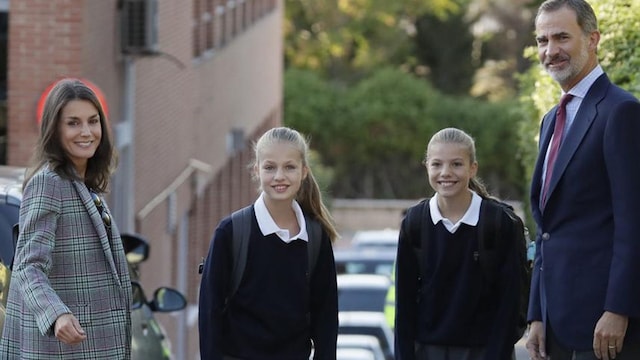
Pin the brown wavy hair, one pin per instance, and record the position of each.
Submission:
(49, 150)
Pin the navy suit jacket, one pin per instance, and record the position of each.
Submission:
(588, 239)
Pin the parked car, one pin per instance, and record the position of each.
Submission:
(364, 261)
(366, 342)
(149, 341)
(362, 292)
(385, 239)
(367, 323)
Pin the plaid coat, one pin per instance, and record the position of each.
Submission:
(65, 263)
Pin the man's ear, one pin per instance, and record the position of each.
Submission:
(594, 40)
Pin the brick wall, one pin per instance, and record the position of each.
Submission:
(45, 42)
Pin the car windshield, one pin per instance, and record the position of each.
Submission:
(358, 299)
(365, 261)
(365, 266)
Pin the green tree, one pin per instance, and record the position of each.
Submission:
(447, 59)
(347, 39)
(373, 134)
(387, 121)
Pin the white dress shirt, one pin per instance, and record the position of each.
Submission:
(470, 217)
(268, 226)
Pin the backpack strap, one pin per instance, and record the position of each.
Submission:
(241, 222)
(314, 231)
(490, 236)
(415, 220)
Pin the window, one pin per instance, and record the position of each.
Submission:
(217, 22)
(203, 26)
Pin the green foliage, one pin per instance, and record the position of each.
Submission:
(348, 39)
(449, 59)
(620, 41)
(374, 133)
(387, 119)
(311, 103)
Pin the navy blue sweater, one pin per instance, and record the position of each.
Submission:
(276, 311)
(454, 301)
(444, 297)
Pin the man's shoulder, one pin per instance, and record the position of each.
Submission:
(614, 92)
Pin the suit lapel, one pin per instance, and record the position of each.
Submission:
(579, 128)
(96, 220)
(548, 123)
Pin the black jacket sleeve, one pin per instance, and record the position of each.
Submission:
(324, 303)
(407, 283)
(213, 289)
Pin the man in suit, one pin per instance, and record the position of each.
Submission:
(585, 199)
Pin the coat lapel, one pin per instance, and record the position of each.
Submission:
(96, 220)
(548, 123)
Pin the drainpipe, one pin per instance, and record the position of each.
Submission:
(123, 181)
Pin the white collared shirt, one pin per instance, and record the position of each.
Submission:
(470, 217)
(579, 92)
(268, 226)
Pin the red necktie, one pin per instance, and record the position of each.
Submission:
(558, 130)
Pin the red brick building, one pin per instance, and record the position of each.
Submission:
(189, 85)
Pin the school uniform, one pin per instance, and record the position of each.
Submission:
(277, 309)
(448, 305)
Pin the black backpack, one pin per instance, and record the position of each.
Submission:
(241, 222)
(489, 226)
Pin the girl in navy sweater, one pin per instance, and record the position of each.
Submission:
(278, 311)
(455, 301)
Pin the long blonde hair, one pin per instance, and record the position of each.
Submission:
(309, 196)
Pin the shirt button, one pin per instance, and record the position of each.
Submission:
(546, 236)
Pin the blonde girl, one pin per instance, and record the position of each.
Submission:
(279, 311)
(455, 299)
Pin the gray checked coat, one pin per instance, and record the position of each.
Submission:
(65, 263)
